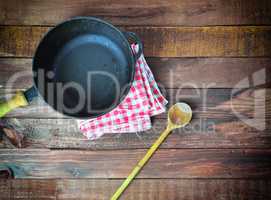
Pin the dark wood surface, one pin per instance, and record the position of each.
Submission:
(214, 125)
(206, 53)
(169, 72)
(214, 41)
(166, 163)
(150, 12)
(143, 189)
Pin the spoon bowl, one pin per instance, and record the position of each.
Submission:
(179, 115)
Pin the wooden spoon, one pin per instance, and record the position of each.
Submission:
(179, 115)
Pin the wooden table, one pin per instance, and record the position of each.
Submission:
(199, 50)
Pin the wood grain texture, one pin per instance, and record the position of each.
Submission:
(140, 189)
(28, 189)
(217, 41)
(208, 103)
(201, 133)
(169, 163)
(151, 12)
(220, 121)
(168, 72)
(223, 154)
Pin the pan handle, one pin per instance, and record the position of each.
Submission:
(133, 38)
(16, 101)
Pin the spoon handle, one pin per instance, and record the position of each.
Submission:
(141, 163)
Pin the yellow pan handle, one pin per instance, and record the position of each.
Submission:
(141, 163)
(17, 100)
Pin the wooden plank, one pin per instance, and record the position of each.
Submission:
(141, 189)
(5, 189)
(151, 12)
(208, 103)
(169, 163)
(208, 72)
(217, 41)
(202, 133)
(170, 189)
(22, 68)
(219, 122)
(30, 189)
(20, 41)
(169, 72)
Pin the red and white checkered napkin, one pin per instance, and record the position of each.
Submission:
(133, 113)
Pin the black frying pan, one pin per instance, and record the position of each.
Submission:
(82, 68)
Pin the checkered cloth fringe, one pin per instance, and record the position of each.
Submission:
(133, 113)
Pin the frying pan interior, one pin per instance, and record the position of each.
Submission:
(83, 67)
